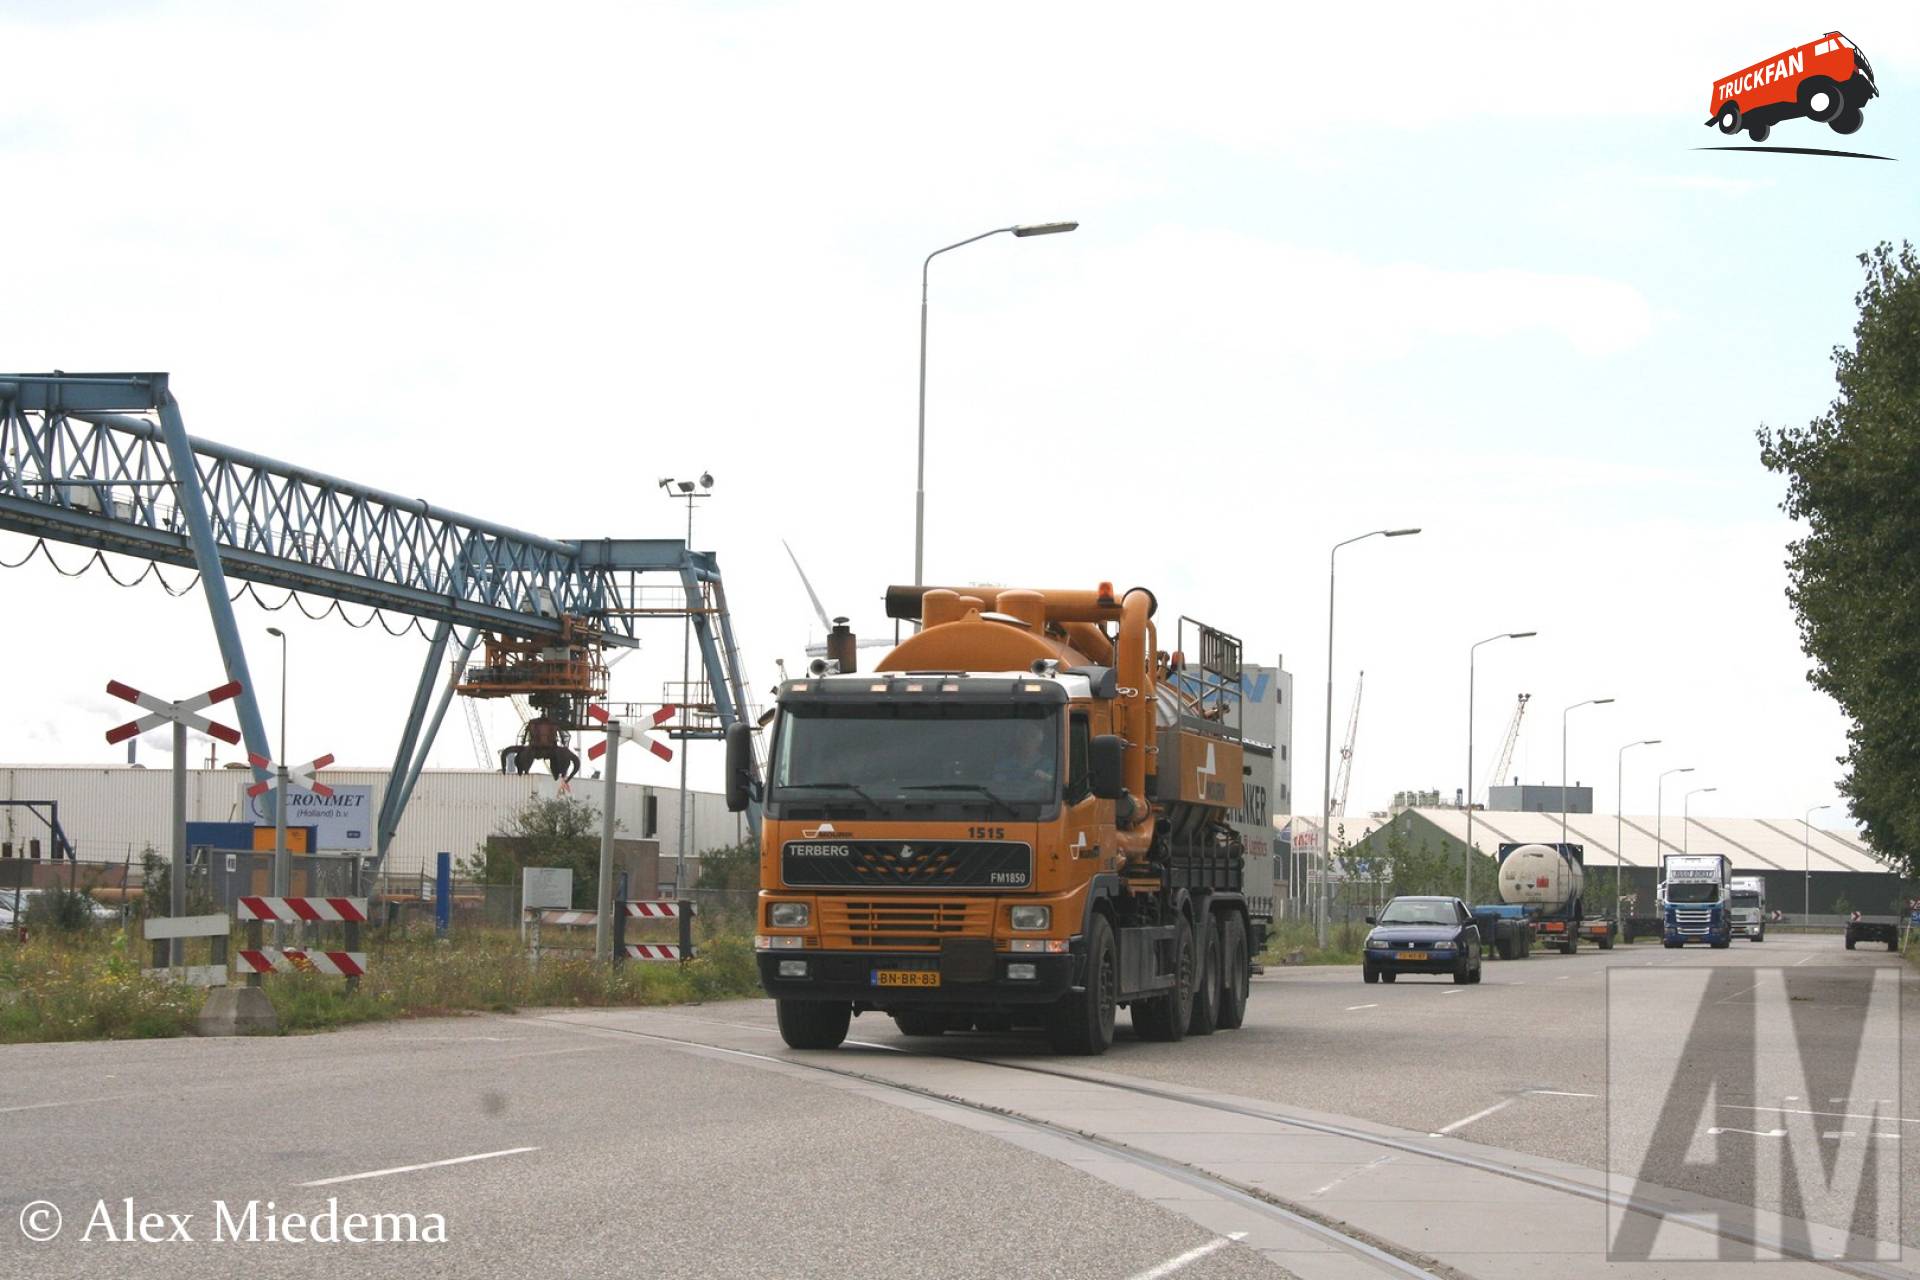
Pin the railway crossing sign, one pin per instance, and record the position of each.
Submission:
(634, 733)
(180, 713)
(300, 775)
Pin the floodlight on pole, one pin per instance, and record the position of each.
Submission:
(1466, 894)
(1806, 859)
(1686, 821)
(1590, 702)
(1620, 819)
(1659, 791)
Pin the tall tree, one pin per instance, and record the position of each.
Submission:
(1853, 476)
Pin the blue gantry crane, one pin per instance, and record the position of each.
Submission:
(104, 461)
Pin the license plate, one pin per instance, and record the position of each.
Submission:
(1413, 955)
(905, 978)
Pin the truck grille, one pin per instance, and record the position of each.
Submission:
(1693, 919)
(854, 922)
(928, 865)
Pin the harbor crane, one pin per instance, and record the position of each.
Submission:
(1505, 759)
(1345, 776)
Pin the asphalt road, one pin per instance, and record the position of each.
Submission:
(625, 1155)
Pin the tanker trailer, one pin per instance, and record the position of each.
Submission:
(1546, 881)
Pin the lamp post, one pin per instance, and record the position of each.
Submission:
(1466, 894)
(1659, 787)
(282, 872)
(1590, 702)
(920, 470)
(1326, 779)
(685, 491)
(1620, 817)
(1684, 819)
(1806, 861)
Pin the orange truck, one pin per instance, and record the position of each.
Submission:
(1826, 80)
(1019, 819)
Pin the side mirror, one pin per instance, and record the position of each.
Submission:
(1106, 756)
(1369, 919)
(739, 765)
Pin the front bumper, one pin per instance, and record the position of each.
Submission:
(1388, 961)
(849, 976)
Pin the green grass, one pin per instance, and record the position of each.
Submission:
(88, 986)
(1288, 938)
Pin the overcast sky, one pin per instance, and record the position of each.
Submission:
(1394, 267)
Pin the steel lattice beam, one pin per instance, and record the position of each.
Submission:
(79, 463)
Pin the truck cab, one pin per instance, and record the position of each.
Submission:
(1749, 899)
(1696, 900)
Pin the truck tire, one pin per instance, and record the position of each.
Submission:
(1164, 1018)
(1729, 119)
(1504, 946)
(1082, 1022)
(813, 1024)
(1722, 946)
(922, 1022)
(1848, 121)
(1233, 971)
(1849, 944)
(1674, 946)
(1892, 945)
(1606, 941)
(1760, 936)
(1758, 132)
(1832, 100)
(1206, 984)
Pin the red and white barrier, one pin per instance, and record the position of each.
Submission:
(302, 910)
(350, 964)
(632, 733)
(300, 775)
(650, 951)
(648, 910)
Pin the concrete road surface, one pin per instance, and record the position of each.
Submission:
(690, 1142)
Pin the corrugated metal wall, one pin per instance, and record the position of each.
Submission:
(111, 813)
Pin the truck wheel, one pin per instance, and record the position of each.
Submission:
(1082, 1022)
(813, 1024)
(1729, 119)
(1671, 946)
(1848, 121)
(1606, 941)
(1233, 972)
(1206, 985)
(922, 1022)
(1760, 936)
(1821, 98)
(1759, 132)
(1892, 945)
(1722, 946)
(1849, 944)
(1165, 1017)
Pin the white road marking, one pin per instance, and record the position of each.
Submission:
(1838, 1115)
(1758, 1133)
(551, 1053)
(1174, 1264)
(1797, 963)
(1563, 977)
(1351, 1173)
(1563, 1093)
(75, 1102)
(1452, 991)
(414, 1168)
(1352, 1007)
(867, 1044)
(1478, 1115)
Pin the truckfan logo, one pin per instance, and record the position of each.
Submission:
(1827, 81)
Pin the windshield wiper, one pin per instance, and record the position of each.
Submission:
(830, 786)
(980, 787)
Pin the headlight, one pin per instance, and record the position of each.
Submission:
(1444, 946)
(788, 915)
(1031, 917)
(1375, 942)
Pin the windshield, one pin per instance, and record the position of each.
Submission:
(898, 755)
(1746, 899)
(1693, 891)
(1416, 911)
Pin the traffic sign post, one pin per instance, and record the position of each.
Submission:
(610, 748)
(183, 716)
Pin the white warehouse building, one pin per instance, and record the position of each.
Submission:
(111, 813)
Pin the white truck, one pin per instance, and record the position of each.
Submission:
(1750, 907)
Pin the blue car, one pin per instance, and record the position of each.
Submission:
(1423, 935)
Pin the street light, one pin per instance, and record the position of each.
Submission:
(684, 491)
(1619, 816)
(1684, 819)
(1021, 231)
(1806, 861)
(1326, 779)
(1467, 894)
(282, 871)
(1590, 702)
(1659, 788)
